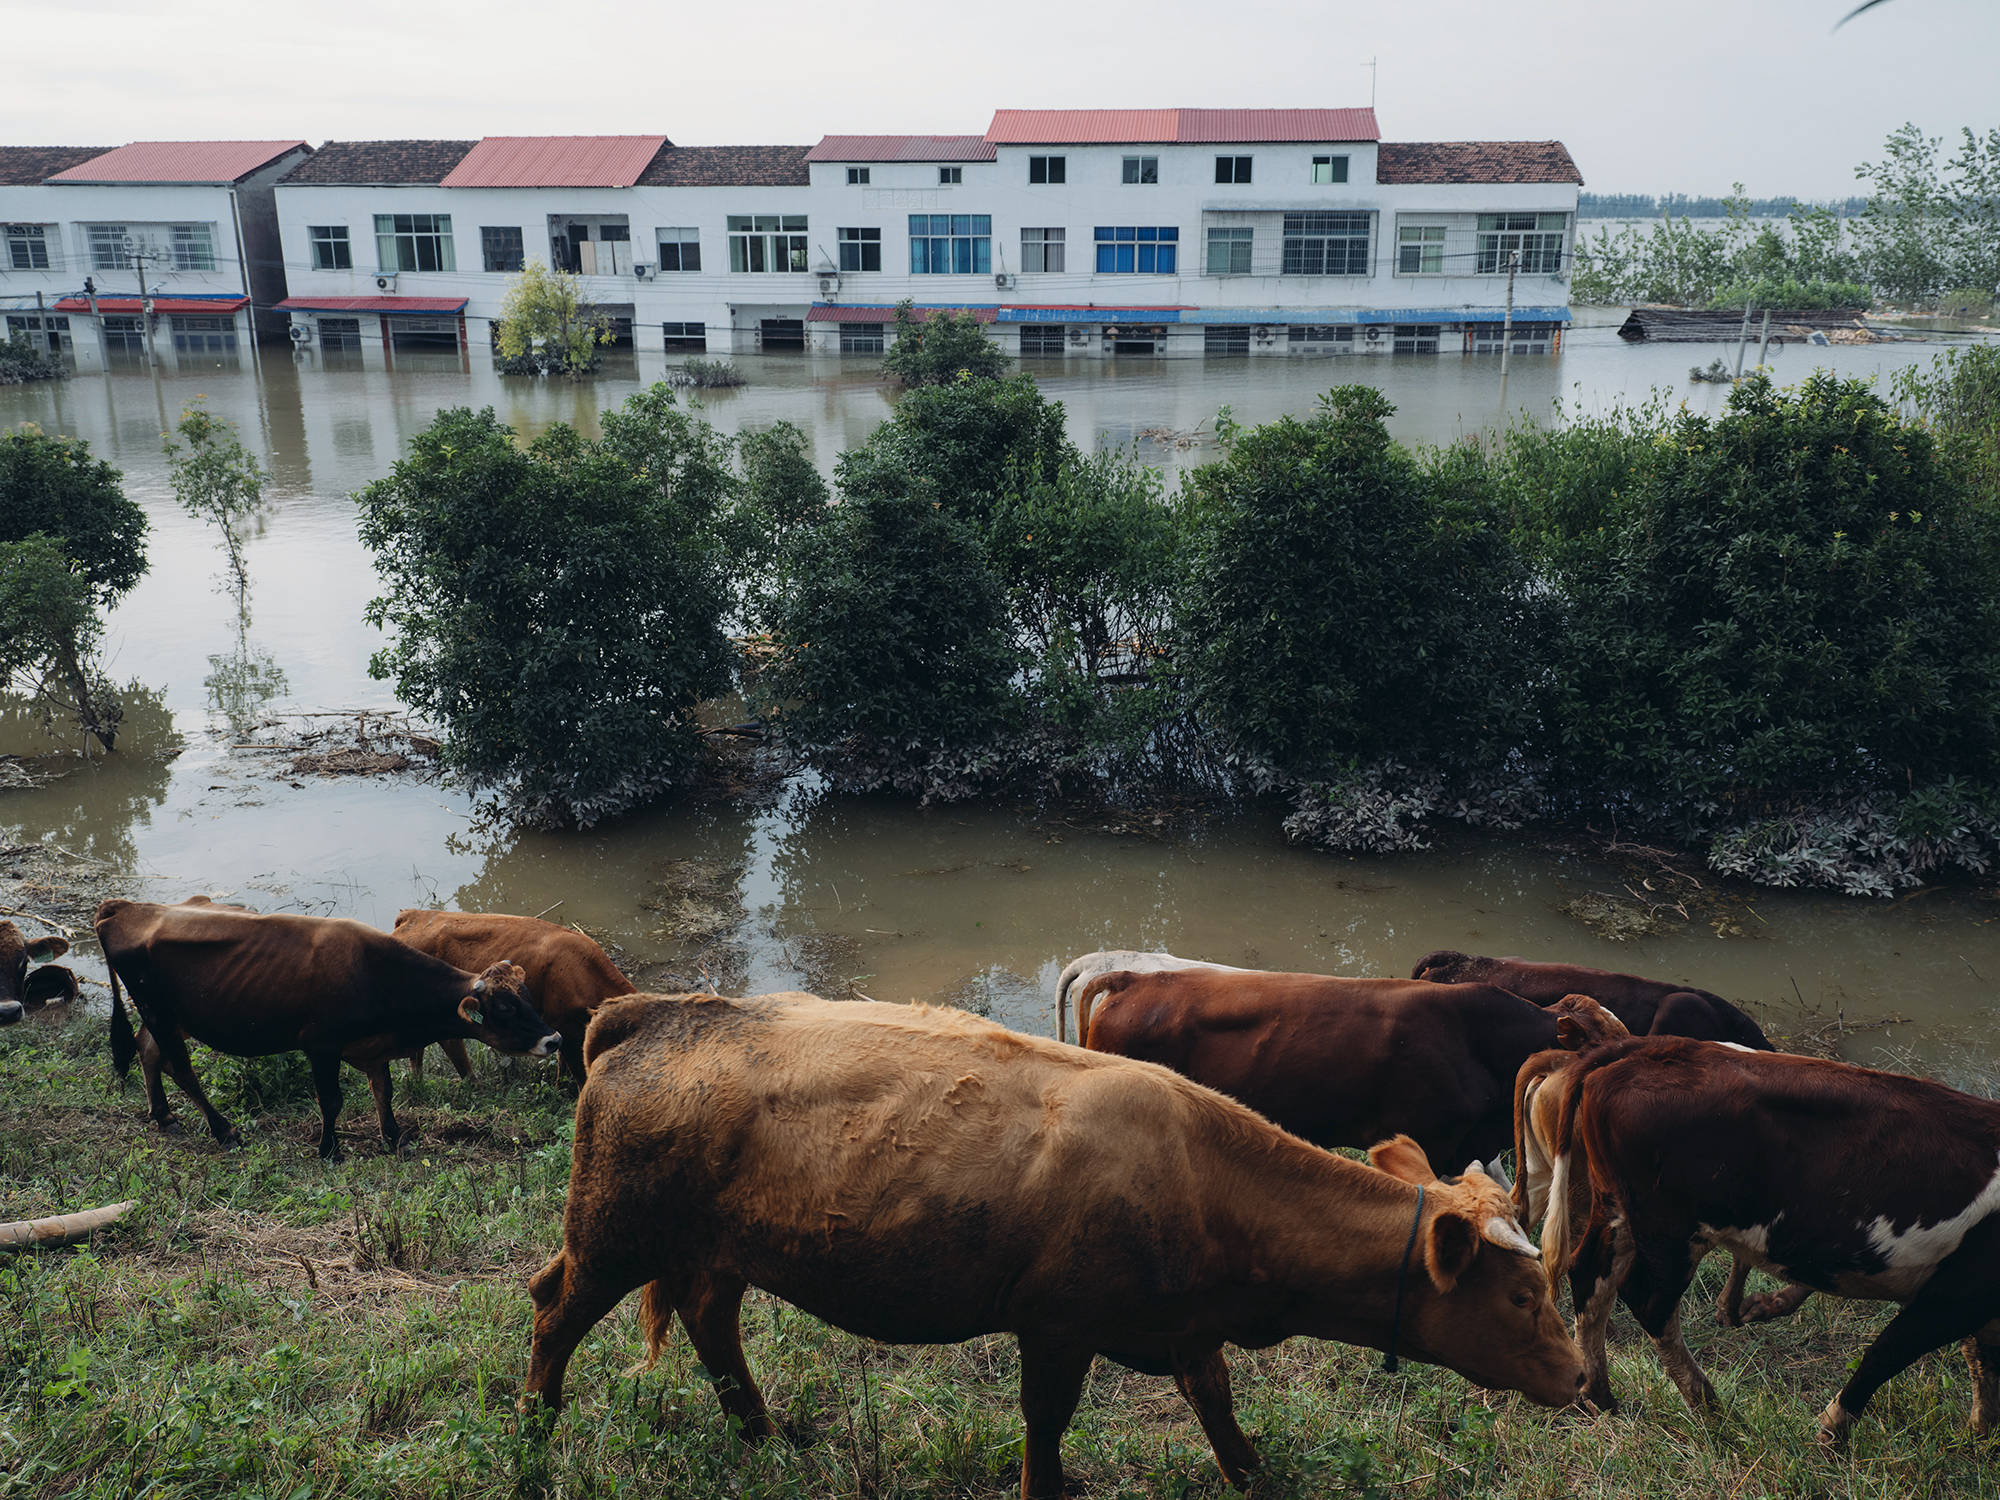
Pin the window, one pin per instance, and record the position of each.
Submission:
(685, 338)
(1420, 250)
(767, 242)
(124, 334)
(1320, 333)
(1142, 169)
(27, 247)
(193, 246)
(1527, 338)
(1144, 250)
(860, 338)
(414, 242)
(860, 249)
(331, 250)
(339, 333)
(1537, 238)
(502, 248)
(857, 176)
(950, 176)
(1229, 252)
(48, 331)
(1232, 169)
(1325, 245)
(1048, 169)
(107, 248)
(202, 335)
(1416, 338)
(1042, 249)
(680, 250)
(954, 244)
(1329, 169)
(1226, 338)
(1042, 338)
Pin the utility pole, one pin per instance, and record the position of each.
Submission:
(1507, 325)
(1370, 66)
(1764, 339)
(146, 313)
(1742, 339)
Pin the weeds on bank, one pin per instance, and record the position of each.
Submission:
(268, 1327)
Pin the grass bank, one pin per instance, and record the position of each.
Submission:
(267, 1327)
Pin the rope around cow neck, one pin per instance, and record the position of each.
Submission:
(1389, 1361)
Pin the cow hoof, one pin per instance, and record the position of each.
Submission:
(1834, 1425)
(166, 1127)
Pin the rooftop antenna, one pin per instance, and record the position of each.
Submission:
(1370, 66)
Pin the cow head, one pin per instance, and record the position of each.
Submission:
(1475, 1297)
(1581, 1022)
(501, 1014)
(22, 991)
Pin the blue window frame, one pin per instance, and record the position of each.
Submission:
(951, 244)
(1142, 250)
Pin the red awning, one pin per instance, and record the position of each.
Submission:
(419, 305)
(117, 305)
(847, 313)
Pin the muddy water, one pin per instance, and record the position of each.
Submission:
(868, 896)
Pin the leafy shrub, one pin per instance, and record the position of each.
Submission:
(940, 346)
(49, 631)
(1958, 397)
(707, 374)
(546, 327)
(1786, 599)
(21, 361)
(1790, 292)
(976, 441)
(54, 486)
(782, 494)
(1344, 603)
(557, 608)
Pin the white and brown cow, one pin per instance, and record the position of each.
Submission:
(1080, 971)
(1849, 1181)
(925, 1176)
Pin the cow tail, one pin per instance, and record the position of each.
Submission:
(1528, 1160)
(1086, 1002)
(124, 1045)
(1556, 1248)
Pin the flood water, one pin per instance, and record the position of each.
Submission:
(972, 905)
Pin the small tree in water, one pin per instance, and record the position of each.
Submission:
(217, 480)
(545, 326)
(940, 346)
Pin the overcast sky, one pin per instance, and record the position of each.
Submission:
(1685, 96)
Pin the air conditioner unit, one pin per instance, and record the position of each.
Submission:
(1263, 335)
(386, 282)
(642, 270)
(300, 334)
(1003, 279)
(829, 283)
(1078, 334)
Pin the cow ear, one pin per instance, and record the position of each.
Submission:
(48, 947)
(51, 982)
(1570, 1036)
(1449, 1248)
(1403, 1159)
(468, 1010)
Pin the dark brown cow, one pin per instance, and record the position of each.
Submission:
(23, 990)
(252, 985)
(924, 1176)
(1648, 1007)
(1342, 1062)
(569, 976)
(1849, 1181)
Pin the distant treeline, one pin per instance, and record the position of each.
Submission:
(1681, 205)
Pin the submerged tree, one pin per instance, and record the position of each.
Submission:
(940, 345)
(546, 328)
(217, 480)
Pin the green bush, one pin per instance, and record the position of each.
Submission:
(1344, 602)
(54, 486)
(21, 361)
(1787, 600)
(557, 608)
(1785, 292)
(940, 346)
(781, 495)
(976, 442)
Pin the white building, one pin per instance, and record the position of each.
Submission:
(160, 249)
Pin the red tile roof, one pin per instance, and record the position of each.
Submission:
(903, 148)
(24, 166)
(1107, 127)
(373, 304)
(1475, 162)
(847, 313)
(180, 161)
(556, 161)
(116, 305)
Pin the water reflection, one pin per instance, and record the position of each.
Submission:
(89, 803)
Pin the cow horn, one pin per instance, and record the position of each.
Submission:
(1498, 1173)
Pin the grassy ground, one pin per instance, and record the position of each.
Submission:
(268, 1327)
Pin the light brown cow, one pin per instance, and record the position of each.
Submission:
(569, 976)
(925, 1176)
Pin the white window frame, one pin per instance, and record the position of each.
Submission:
(859, 239)
(950, 176)
(104, 245)
(1235, 241)
(1313, 225)
(24, 241)
(857, 176)
(1539, 238)
(1329, 169)
(683, 238)
(767, 244)
(1420, 249)
(486, 249)
(390, 242)
(1142, 171)
(191, 246)
(330, 247)
(1237, 167)
(1044, 248)
(1054, 169)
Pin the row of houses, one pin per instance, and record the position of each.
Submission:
(1134, 233)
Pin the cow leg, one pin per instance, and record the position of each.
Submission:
(383, 1089)
(453, 1048)
(1603, 1260)
(326, 1084)
(1729, 1306)
(1051, 1384)
(1661, 1274)
(1768, 1307)
(572, 1047)
(171, 1048)
(570, 1299)
(710, 1311)
(1959, 1301)
(1205, 1384)
(1982, 1353)
(158, 1110)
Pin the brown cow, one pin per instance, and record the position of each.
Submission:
(22, 990)
(1648, 1007)
(1342, 1062)
(252, 985)
(925, 1176)
(1849, 1181)
(569, 976)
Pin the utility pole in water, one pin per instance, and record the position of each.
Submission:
(1764, 339)
(1507, 326)
(1742, 339)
